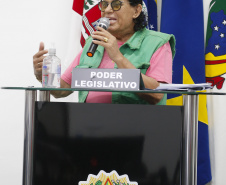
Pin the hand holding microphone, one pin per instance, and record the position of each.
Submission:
(104, 23)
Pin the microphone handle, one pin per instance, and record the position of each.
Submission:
(93, 46)
(92, 49)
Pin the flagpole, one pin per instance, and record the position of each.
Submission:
(190, 140)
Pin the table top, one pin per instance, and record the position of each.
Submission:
(188, 92)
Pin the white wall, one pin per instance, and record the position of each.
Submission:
(23, 24)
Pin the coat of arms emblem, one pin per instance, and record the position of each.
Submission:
(104, 178)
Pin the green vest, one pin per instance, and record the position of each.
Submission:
(138, 50)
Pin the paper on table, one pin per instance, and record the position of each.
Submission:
(184, 87)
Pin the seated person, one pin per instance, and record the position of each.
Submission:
(125, 44)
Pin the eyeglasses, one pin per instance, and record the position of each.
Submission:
(115, 5)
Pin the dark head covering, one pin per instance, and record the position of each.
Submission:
(140, 21)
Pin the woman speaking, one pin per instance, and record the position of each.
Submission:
(125, 44)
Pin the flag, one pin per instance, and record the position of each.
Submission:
(150, 9)
(216, 44)
(184, 19)
(215, 56)
(91, 14)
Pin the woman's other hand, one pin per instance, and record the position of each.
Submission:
(38, 61)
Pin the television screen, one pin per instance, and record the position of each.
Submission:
(73, 140)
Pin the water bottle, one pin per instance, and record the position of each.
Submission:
(51, 70)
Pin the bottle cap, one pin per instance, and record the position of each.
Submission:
(52, 49)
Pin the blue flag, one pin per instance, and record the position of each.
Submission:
(184, 19)
(150, 9)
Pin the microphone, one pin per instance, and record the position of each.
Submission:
(104, 23)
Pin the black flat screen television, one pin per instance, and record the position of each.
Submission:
(73, 140)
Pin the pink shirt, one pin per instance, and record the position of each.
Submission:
(160, 69)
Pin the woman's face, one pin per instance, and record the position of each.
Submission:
(121, 21)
